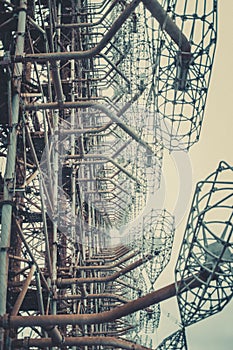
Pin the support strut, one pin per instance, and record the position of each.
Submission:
(152, 298)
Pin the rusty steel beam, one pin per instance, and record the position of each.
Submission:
(78, 341)
(19, 258)
(114, 252)
(85, 131)
(108, 256)
(57, 82)
(55, 334)
(149, 299)
(9, 177)
(93, 296)
(88, 104)
(118, 332)
(152, 6)
(19, 230)
(102, 267)
(88, 24)
(79, 280)
(82, 280)
(78, 55)
(23, 292)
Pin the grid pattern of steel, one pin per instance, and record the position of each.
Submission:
(206, 253)
(91, 94)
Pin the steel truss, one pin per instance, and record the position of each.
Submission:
(85, 94)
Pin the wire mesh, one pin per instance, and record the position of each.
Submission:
(184, 77)
(206, 252)
(175, 341)
(153, 238)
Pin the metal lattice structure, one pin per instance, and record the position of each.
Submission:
(184, 73)
(176, 341)
(91, 94)
(153, 237)
(206, 254)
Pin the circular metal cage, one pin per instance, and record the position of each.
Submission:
(205, 263)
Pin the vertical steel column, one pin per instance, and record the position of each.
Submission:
(9, 178)
(73, 182)
(55, 170)
(55, 166)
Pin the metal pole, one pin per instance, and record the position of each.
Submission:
(152, 298)
(155, 9)
(109, 255)
(79, 341)
(43, 206)
(20, 232)
(94, 296)
(167, 24)
(23, 292)
(108, 159)
(73, 179)
(102, 267)
(60, 282)
(77, 55)
(55, 169)
(9, 178)
(113, 116)
(104, 279)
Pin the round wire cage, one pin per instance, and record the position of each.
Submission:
(175, 341)
(204, 270)
(157, 239)
(150, 318)
(183, 76)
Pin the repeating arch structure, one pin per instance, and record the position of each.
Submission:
(91, 93)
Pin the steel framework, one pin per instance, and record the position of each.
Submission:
(208, 247)
(91, 94)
